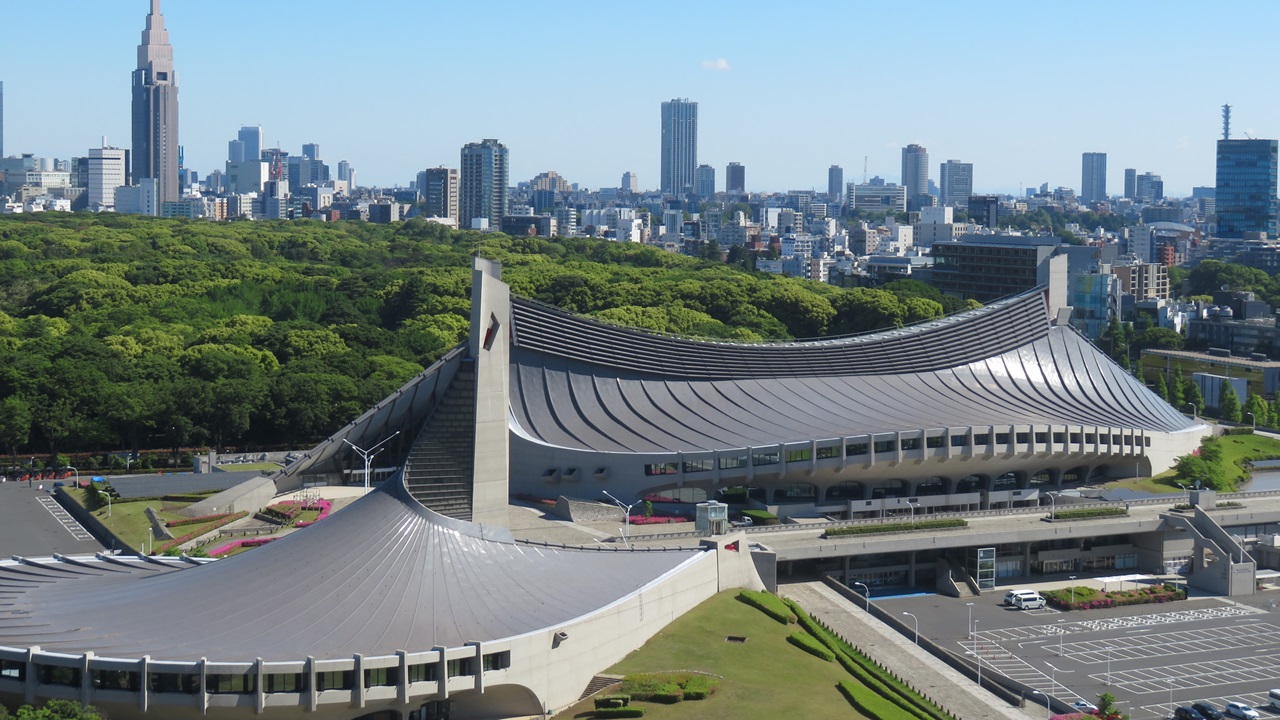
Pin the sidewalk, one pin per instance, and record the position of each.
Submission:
(954, 692)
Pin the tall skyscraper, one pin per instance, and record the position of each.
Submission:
(311, 151)
(835, 183)
(250, 138)
(155, 109)
(483, 183)
(1093, 177)
(704, 183)
(630, 182)
(1149, 188)
(915, 172)
(439, 187)
(955, 183)
(679, 146)
(735, 179)
(1245, 196)
(1131, 183)
(235, 151)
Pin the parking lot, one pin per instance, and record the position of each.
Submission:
(34, 525)
(1153, 658)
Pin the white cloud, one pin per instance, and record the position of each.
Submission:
(717, 64)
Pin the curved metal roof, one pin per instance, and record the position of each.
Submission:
(382, 575)
(1057, 378)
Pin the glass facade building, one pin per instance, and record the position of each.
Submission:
(1246, 187)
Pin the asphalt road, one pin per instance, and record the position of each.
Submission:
(1202, 649)
(33, 525)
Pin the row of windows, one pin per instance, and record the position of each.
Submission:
(244, 683)
(734, 462)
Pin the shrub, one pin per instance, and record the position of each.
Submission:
(867, 702)
(615, 700)
(699, 687)
(1083, 513)
(769, 604)
(655, 687)
(1242, 430)
(761, 517)
(196, 520)
(896, 527)
(620, 712)
(811, 645)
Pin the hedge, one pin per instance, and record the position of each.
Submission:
(769, 604)
(196, 520)
(868, 703)
(699, 687)
(1088, 599)
(666, 687)
(622, 712)
(811, 645)
(1242, 430)
(615, 700)
(761, 517)
(1083, 513)
(896, 527)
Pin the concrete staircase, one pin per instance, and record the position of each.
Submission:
(599, 683)
(440, 466)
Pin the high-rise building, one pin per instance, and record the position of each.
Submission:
(250, 138)
(235, 151)
(1245, 197)
(679, 146)
(482, 191)
(984, 210)
(735, 179)
(1, 118)
(311, 151)
(1149, 188)
(1093, 177)
(155, 109)
(955, 181)
(704, 182)
(439, 188)
(835, 183)
(108, 170)
(1131, 183)
(915, 172)
(630, 182)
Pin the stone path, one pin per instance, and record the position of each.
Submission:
(940, 682)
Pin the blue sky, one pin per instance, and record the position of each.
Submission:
(1018, 88)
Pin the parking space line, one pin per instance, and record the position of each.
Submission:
(64, 519)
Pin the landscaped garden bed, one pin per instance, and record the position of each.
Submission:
(1086, 514)
(895, 527)
(1087, 598)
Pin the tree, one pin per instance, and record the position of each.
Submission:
(1260, 410)
(60, 710)
(1229, 404)
(1162, 389)
(15, 424)
(1177, 391)
(1193, 395)
(1107, 708)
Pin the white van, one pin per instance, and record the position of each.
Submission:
(1034, 601)
(1011, 597)
(1274, 697)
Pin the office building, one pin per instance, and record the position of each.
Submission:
(704, 182)
(877, 198)
(250, 138)
(735, 179)
(679, 146)
(1149, 188)
(630, 183)
(1131, 183)
(439, 188)
(108, 170)
(915, 172)
(155, 109)
(140, 199)
(1245, 193)
(246, 176)
(482, 193)
(311, 151)
(1093, 177)
(835, 183)
(990, 267)
(955, 181)
(235, 151)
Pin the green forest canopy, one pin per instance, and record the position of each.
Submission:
(128, 332)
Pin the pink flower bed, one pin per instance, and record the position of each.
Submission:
(246, 542)
(657, 519)
(324, 506)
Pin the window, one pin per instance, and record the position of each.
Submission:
(13, 669)
(883, 446)
(910, 443)
(660, 469)
(173, 683)
(1146, 441)
(233, 684)
(847, 490)
(1002, 438)
(497, 661)
(1075, 438)
(334, 680)
(799, 455)
(1090, 438)
(425, 672)
(1128, 440)
(381, 677)
(115, 680)
(935, 441)
(764, 458)
(1022, 438)
(856, 449)
(831, 451)
(1059, 438)
(1042, 438)
(959, 440)
(733, 462)
(697, 466)
(284, 683)
(55, 675)
(796, 492)
(461, 667)
(982, 439)
(1115, 439)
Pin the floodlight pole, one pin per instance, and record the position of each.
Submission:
(626, 516)
(867, 590)
(369, 454)
(1053, 506)
(968, 628)
(1072, 578)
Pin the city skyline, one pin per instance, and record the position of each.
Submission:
(1027, 136)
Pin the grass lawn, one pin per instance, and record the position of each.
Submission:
(1236, 449)
(128, 520)
(242, 467)
(763, 679)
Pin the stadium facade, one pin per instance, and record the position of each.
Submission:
(414, 602)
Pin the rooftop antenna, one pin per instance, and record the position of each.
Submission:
(1226, 122)
(864, 169)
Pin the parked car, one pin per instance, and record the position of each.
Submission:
(1010, 596)
(1240, 710)
(1207, 710)
(1034, 601)
(743, 521)
(1085, 706)
(1186, 713)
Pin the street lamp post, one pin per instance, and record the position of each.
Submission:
(917, 622)
(913, 507)
(1053, 677)
(1061, 632)
(1053, 505)
(1171, 682)
(1037, 692)
(77, 472)
(1072, 578)
(976, 656)
(1253, 418)
(1193, 410)
(866, 593)
(369, 454)
(968, 628)
(108, 496)
(1185, 488)
(626, 516)
(1109, 649)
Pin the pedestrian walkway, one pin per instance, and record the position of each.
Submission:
(957, 694)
